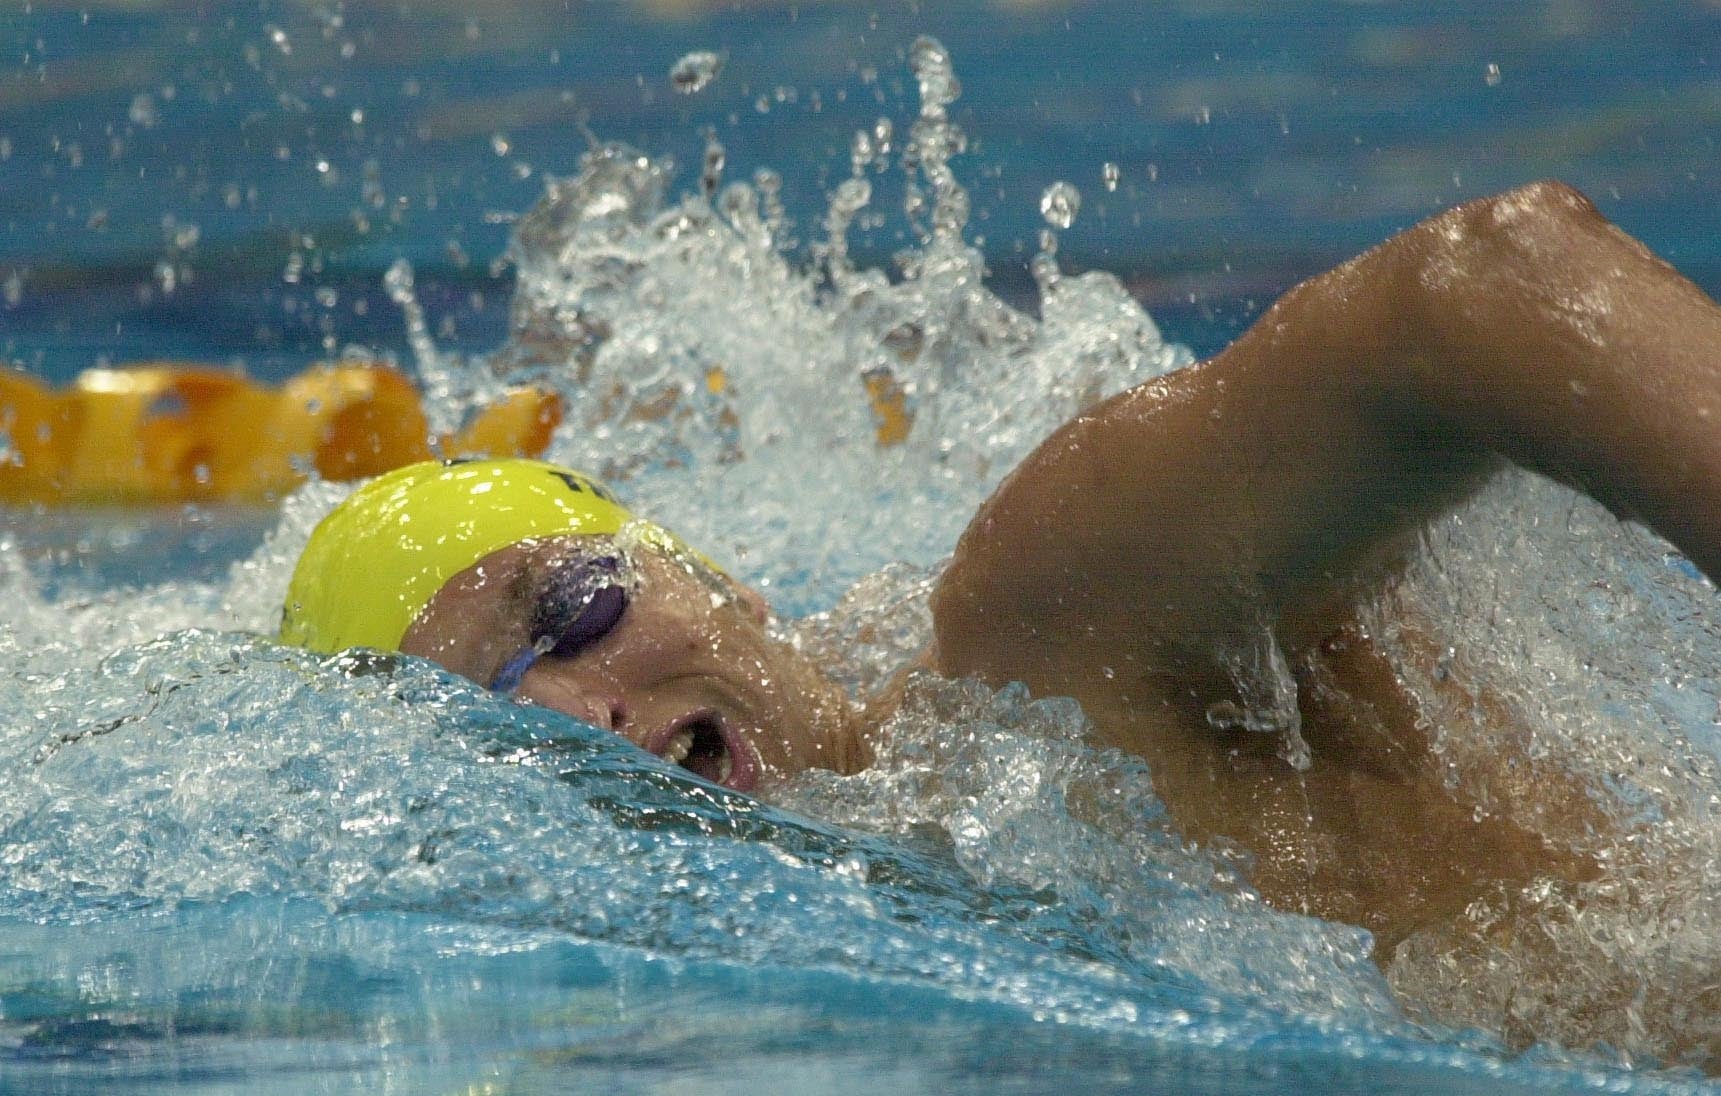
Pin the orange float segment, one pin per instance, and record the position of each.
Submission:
(150, 432)
(382, 431)
(342, 421)
(35, 432)
(234, 457)
(170, 433)
(520, 423)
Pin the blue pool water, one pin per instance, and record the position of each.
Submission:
(1253, 147)
(226, 866)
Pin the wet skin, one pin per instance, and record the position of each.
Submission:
(1140, 557)
(1150, 544)
(688, 666)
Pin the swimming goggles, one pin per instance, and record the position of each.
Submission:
(580, 602)
(584, 596)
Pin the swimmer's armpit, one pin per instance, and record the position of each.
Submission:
(1259, 489)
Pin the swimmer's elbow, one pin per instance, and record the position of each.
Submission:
(1493, 265)
(1545, 199)
(1530, 225)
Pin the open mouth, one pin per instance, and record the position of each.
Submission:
(704, 744)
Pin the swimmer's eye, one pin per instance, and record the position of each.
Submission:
(579, 604)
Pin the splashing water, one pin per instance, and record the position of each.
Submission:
(1603, 645)
(742, 400)
(810, 426)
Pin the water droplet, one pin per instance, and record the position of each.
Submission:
(499, 143)
(279, 37)
(695, 71)
(861, 151)
(851, 196)
(1491, 75)
(938, 84)
(1060, 203)
(913, 201)
(398, 280)
(1109, 173)
(144, 112)
(711, 174)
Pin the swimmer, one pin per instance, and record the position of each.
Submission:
(1137, 555)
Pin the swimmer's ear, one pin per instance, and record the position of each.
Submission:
(753, 602)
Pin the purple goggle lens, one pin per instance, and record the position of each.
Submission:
(581, 602)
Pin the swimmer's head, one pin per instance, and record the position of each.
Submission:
(375, 562)
(533, 580)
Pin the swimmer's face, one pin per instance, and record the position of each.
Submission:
(686, 670)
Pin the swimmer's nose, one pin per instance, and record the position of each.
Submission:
(604, 712)
(602, 708)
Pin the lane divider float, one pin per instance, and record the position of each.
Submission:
(162, 432)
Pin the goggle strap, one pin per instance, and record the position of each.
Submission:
(508, 678)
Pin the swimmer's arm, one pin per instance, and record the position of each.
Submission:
(1151, 539)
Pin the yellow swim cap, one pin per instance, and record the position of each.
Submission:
(375, 562)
